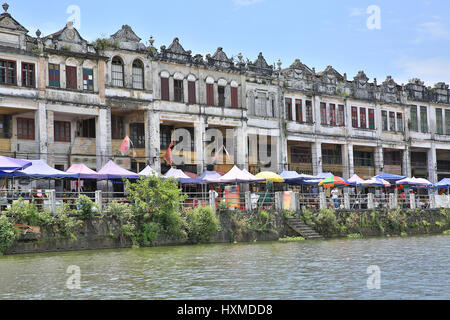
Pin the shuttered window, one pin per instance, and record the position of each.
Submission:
(8, 72)
(88, 80)
(354, 117)
(71, 77)
(138, 75)
(399, 122)
(28, 75)
(391, 121)
(178, 90)
(323, 113)
(221, 94)
(309, 112)
(372, 119)
(54, 75)
(62, 131)
(288, 103)
(117, 72)
(210, 94)
(234, 97)
(25, 129)
(191, 92)
(299, 110)
(165, 89)
(332, 114)
(341, 115)
(384, 119)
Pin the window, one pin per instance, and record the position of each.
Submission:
(8, 72)
(87, 128)
(298, 108)
(363, 159)
(354, 117)
(117, 128)
(399, 122)
(5, 126)
(210, 94)
(62, 131)
(332, 114)
(165, 89)
(289, 109)
(221, 92)
(447, 121)
(54, 75)
(362, 115)
(439, 122)
(25, 129)
(414, 119)
(28, 75)
(191, 92)
(309, 112)
(71, 77)
(165, 137)
(117, 72)
(137, 135)
(138, 74)
(341, 115)
(323, 113)
(385, 120)
(88, 79)
(234, 97)
(391, 121)
(423, 120)
(301, 155)
(178, 90)
(332, 156)
(262, 101)
(371, 119)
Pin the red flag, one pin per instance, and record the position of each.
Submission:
(168, 156)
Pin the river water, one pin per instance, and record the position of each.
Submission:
(410, 268)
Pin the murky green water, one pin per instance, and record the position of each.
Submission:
(411, 268)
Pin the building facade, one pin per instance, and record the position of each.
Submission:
(69, 101)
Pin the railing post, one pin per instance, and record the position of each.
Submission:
(212, 200)
(323, 201)
(412, 201)
(99, 199)
(52, 199)
(248, 201)
(448, 201)
(392, 201)
(347, 201)
(296, 202)
(370, 202)
(432, 197)
(279, 201)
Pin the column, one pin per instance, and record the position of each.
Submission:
(242, 146)
(379, 160)
(185, 91)
(317, 157)
(199, 136)
(50, 137)
(152, 139)
(432, 164)
(347, 160)
(406, 167)
(104, 140)
(41, 120)
(171, 89)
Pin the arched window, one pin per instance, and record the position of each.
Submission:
(138, 74)
(117, 72)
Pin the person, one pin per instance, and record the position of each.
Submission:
(335, 197)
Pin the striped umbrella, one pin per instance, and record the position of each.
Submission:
(333, 182)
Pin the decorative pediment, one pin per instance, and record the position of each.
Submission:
(8, 22)
(260, 66)
(361, 79)
(441, 85)
(416, 81)
(176, 52)
(330, 73)
(220, 60)
(220, 55)
(389, 84)
(126, 34)
(67, 34)
(176, 47)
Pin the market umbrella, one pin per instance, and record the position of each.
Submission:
(270, 176)
(356, 180)
(376, 182)
(416, 182)
(389, 177)
(333, 182)
(443, 184)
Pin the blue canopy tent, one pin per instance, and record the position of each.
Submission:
(444, 184)
(39, 169)
(390, 177)
(292, 177)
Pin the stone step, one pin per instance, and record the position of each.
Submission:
(303, 230)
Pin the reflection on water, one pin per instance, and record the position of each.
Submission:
(411, 268)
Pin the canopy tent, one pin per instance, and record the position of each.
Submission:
(376, 182)
(415, 182)
(333, 182)
(235, 175)
(210, 175)
(317, 179)
(356, 180)
(443, 184)
(11, 164)
(191, 175)
(39, 169)
(112, 171)
(182, 177)
(83, 172)
(148, 172)
(390, 177)
(270, 176)
(293, 177)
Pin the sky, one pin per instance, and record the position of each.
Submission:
(404, 39)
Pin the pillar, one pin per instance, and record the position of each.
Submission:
(379, 160)
(317, 157)
(432, 164)
(104, 140)
(370, 201)
(242, 146)
(347, 160)
(152, 139)
(42, 131)
(200, 145)
(406, 167)
(50, 137)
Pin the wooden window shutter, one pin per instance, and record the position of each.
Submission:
(210, 94)
(165, 89)
(234, 97)
(191, 92)
(71, 75)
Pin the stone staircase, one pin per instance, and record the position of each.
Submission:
(302, 229)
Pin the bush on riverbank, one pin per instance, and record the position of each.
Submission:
(8, 233)
(331, 223)
(201, 224)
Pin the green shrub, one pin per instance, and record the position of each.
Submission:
(23, 212)
(355, 236)
(121, 211)
(326, 222)
(86, 207)
(8, 233)
(292, 239)
(446, 232)
(201, 224)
